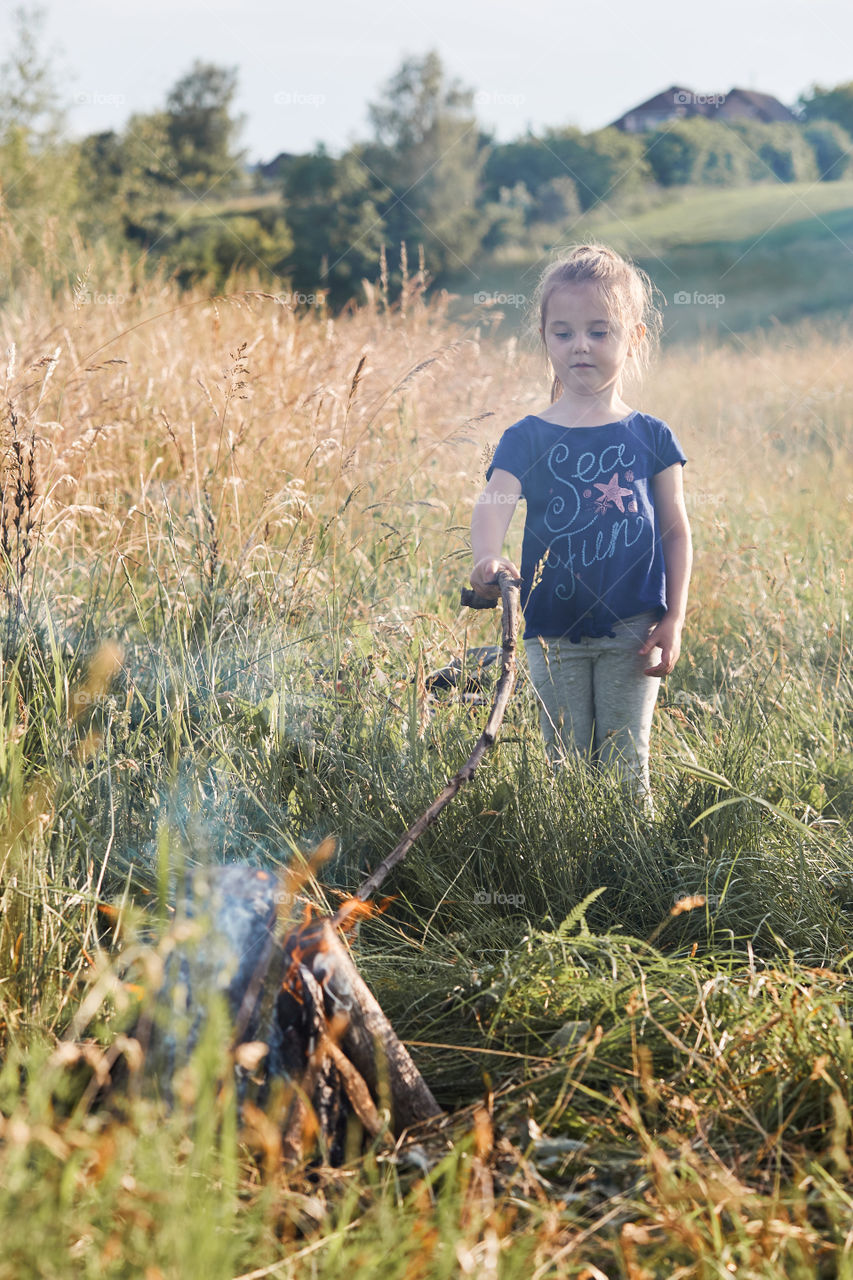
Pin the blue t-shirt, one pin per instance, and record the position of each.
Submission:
(590, 545)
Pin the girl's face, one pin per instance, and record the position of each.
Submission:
(586, 343)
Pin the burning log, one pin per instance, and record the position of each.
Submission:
(311, 1048)
(368, 1038)
(310, 1044)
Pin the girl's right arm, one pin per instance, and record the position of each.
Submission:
(489, 523)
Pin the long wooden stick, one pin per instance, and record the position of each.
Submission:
(509, 587)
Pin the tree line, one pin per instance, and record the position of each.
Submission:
(173, 184)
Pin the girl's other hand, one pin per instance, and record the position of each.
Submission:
(484, 577)
(665, 635)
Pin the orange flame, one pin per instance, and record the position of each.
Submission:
(352, 910)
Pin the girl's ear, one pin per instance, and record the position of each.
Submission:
(639, 333)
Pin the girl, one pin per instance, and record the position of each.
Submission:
(606, 552)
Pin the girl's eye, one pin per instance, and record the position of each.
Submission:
(597, 333)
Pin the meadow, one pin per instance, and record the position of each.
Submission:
(722, 246)
(233, 537)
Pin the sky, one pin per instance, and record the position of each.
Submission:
(306, 72)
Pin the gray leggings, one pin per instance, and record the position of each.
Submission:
(595, 701)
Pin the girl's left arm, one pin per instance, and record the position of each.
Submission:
(674, 527)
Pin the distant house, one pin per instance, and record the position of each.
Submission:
(272, 170)
(678, 103)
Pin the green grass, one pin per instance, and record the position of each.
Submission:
(247, 740)
(231, 667)
(718, 216)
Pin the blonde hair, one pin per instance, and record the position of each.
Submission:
(627, 290)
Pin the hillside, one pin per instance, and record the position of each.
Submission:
(745, 258)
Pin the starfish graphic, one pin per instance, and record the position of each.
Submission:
(612, 492)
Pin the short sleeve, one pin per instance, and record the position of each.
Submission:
(667, 449)
(512, 454)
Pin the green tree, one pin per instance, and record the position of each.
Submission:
(209, 247)
(164, 155)
(527, 160)
(331, 210)
(829, 104)
(29, 96)
(38, 166)
(832, 147)
(606, 166)
(427, 158)
(704, 152)
(778, 150)
(505, 219)
(202, 129)
(150, 164)
(127, 176)
(556, 201)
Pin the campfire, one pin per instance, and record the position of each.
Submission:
(313, 1053)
